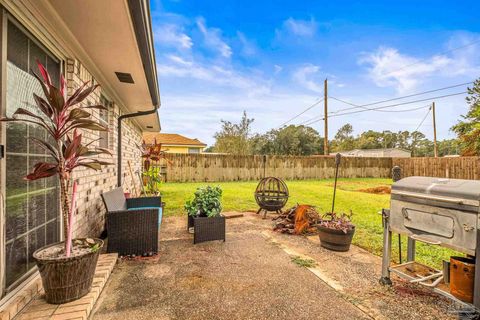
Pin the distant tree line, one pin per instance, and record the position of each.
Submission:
(237, 138)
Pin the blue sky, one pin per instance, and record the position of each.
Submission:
(218, 58)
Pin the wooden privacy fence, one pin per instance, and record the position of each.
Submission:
(207, 167)
(454, 168)
(204, 167)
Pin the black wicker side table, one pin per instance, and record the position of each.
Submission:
(208, 229)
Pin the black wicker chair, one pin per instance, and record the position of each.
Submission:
(132, 224)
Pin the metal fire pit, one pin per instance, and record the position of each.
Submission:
(436, 211)
(271, 194)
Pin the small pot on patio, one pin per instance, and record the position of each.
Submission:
(204, 212)
(68, 278)
(336, 232)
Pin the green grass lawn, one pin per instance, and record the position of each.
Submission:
(238, 196)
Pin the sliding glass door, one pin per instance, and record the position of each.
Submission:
(31, 207)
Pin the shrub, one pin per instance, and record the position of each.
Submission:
(206, 202)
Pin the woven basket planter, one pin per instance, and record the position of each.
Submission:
(334, 239)
(208, 229)
(67, 279)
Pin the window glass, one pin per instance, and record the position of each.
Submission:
(104, 119)
(30, 222)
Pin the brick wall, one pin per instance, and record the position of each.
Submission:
(90, 212)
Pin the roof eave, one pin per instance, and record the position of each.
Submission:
(141, 18)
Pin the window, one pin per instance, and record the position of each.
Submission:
(193, 150)
(104, 119)
(31, 221)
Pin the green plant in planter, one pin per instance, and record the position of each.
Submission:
(206, 202)
(153, 180)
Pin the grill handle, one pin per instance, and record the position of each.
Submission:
(415, 237)
(430, 197)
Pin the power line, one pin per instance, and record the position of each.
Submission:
(391, 106)
(355, 106)
(370, 109)
(423, 60)
(309, 121)
(400, 104)
(423, 120)
(298, 115)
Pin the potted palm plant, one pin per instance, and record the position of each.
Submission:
(204, 214)
(67, 268)
(336, 231)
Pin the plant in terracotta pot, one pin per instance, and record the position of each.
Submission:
(67, 268)
(336, 231)
(204, 214)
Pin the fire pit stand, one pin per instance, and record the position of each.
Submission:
(271, 194)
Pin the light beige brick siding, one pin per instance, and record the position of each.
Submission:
(90, 212)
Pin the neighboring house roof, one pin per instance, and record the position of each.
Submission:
(384, 151)
(110, 37)
(171, 139)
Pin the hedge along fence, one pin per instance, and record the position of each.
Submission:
(454, 168)
(207, 167)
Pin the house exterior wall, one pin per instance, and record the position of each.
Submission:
(89, 210)
(180, 149)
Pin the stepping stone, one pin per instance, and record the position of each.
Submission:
(231, 215)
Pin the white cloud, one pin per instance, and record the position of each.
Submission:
(214, 74)
(277, 69)
(213, 38)
(388, 67)
(172, 35)
(301, 28)
(248, 47)
(305, 76)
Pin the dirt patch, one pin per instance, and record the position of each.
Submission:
(377, 190)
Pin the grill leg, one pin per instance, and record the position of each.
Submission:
(410, 249)
(476, 286)
(387, 248)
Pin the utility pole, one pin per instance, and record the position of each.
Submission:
(325, 101)
(435, 149)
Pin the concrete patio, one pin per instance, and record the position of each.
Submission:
(252, 276)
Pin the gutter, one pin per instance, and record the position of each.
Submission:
(140, 14)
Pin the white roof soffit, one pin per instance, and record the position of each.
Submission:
(104, 31)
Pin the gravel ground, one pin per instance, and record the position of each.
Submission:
(251, 276)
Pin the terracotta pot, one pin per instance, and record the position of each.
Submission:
(67, 279)
(462, 274)
(334, 239)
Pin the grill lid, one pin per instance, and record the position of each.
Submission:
(451, 188)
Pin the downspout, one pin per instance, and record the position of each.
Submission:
(140, 14)
(119, 138)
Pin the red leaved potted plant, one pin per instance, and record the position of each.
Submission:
(336, 231)
(67, 268)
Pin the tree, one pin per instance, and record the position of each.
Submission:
(344, 139)
(234, 137)
(289, 140)
(468, 129)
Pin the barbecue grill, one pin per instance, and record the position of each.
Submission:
(436, 211)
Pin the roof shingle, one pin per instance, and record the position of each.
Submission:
(171, 139)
